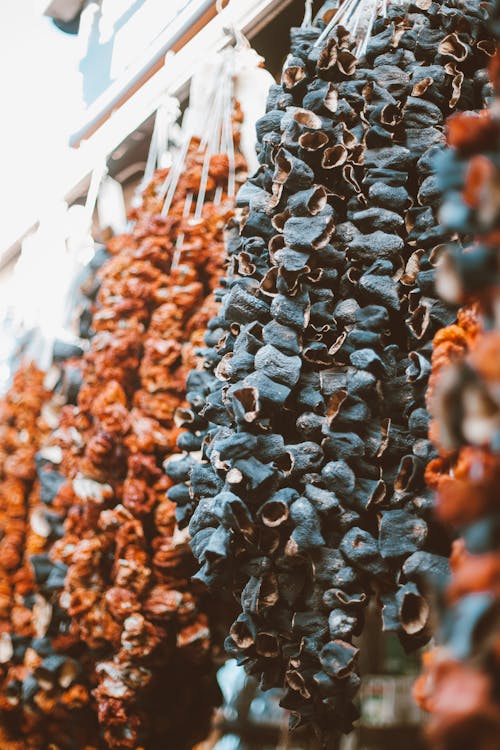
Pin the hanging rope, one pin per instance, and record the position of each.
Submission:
(217, 139)
(166, 115)
(307, 21)
(98, 173)
(357, 17)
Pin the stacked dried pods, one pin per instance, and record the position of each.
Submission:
(461, 685)
(119, 575)
(309, 496)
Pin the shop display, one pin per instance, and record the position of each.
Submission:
(460, 683)
(310, 497)
(271, 423)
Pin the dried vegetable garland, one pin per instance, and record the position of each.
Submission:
(120, 573)
(461, 683)
(310, 495)
(22, 428)
(46, 695)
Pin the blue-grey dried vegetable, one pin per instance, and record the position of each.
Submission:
(328, 313)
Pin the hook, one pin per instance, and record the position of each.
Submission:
(235, 34)
(220, 7)
(237, 37)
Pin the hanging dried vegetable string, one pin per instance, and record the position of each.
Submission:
(122, 566)
(309, 496)
(460, 685)
(22, 428)
(45, 694)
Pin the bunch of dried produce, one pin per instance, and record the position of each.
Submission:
(20, 432)
(309, 496)
(114, 568)
(46, 695)
(22, 426)
(460, 685)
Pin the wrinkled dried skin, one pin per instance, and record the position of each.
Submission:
(121, 569)
(310, 492)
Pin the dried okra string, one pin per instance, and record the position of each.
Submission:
(309, 497)
(460, 684)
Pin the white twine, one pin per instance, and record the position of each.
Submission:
(166, 115)
(357, 17)
(307, 21)
(217, 138)
(98, 173)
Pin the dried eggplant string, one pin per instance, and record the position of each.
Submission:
(406, 118)
(460, 682)
(309, 495)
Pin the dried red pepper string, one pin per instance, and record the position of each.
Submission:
(127, 590)
(21, 430)
(38, 687)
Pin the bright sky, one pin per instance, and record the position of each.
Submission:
(40, 92)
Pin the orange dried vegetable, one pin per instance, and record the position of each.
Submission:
(461, 700)
(127, 596)
(466, 130)
(23, 617)
(37, 689)
(21, 430)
